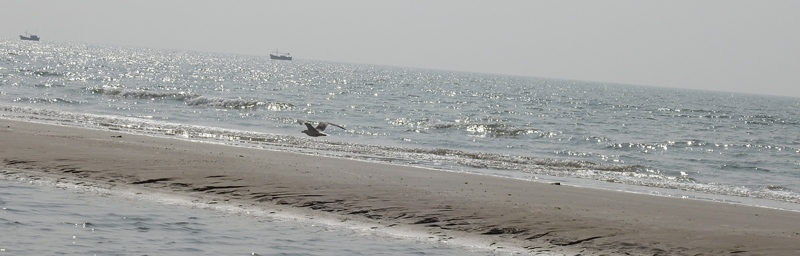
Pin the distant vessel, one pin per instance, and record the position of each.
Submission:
(29, 37)
(280, 56)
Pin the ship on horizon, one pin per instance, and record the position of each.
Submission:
(29, 37)
(280, 56)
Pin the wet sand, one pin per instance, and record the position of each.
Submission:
(500, 212)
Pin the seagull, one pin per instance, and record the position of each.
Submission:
(316, 131)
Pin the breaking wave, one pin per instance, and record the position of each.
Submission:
(478, 128)
(140, 94)
(46, 100)
(223, 103)
(191, 99)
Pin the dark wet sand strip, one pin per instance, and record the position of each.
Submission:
(537, 216)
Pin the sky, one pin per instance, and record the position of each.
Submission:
(726, 45)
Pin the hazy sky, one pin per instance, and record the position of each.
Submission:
(738, 46)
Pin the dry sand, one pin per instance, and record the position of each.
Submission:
(501, 212)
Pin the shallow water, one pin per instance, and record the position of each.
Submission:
(41, 218)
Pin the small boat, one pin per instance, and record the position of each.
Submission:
(280, 56)
(29, 37)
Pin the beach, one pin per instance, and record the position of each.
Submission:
(499, 212)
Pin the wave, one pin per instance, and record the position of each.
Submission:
(47, 73)
(743, 167)
(236, 103)
(46, 100)
(498, 130)
(140, 94)
(758, 119)
(191, 99)
(39, 72)
(481, 129)
(47, 85)
(695, 144)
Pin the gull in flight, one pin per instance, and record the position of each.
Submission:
(316, 131)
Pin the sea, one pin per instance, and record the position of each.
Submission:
(701, 145)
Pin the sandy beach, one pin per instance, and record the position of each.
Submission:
(498, 211)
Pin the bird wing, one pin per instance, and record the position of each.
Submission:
(323, 125)
(338, 126)
(311, 127)
(301, 122)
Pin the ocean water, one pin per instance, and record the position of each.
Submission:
(49, 218)
(634, 138)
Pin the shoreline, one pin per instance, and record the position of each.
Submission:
(275, 212)
(497, 211)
